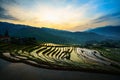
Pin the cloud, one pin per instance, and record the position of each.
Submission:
(3, 14)
(114, 16)
(50, 16)
(100, 21)
(60, 14)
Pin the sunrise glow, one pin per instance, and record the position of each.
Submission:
(72, 15)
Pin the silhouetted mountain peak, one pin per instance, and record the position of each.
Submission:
(110, 31)
(50, 35)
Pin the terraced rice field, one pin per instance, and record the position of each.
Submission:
(59, 57)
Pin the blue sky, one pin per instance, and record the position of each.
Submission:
(72, 15)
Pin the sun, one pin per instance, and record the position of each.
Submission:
(52, 15)
(51, 18)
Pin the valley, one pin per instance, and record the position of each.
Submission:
(63, 57)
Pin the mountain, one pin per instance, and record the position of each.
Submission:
(109, 31)
(49, 35)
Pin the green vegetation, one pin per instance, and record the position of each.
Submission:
(63, 56)
(109, 49)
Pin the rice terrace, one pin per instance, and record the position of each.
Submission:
(62, 57)
(59, 39)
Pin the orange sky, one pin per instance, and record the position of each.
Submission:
(58, 14)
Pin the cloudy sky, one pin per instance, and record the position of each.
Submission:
(72, 15)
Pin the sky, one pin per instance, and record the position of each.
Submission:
(71, 15)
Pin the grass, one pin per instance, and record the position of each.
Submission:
(113, 54)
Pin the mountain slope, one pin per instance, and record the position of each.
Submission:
(110, 31)
(49, 35)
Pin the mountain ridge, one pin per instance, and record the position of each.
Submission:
(50, 35)
(110, 31)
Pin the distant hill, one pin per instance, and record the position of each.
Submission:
(110, 31)
(50, 35)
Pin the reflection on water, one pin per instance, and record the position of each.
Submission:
(19, 71)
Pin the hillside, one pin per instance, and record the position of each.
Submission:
(49, 35)
(110, 31)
